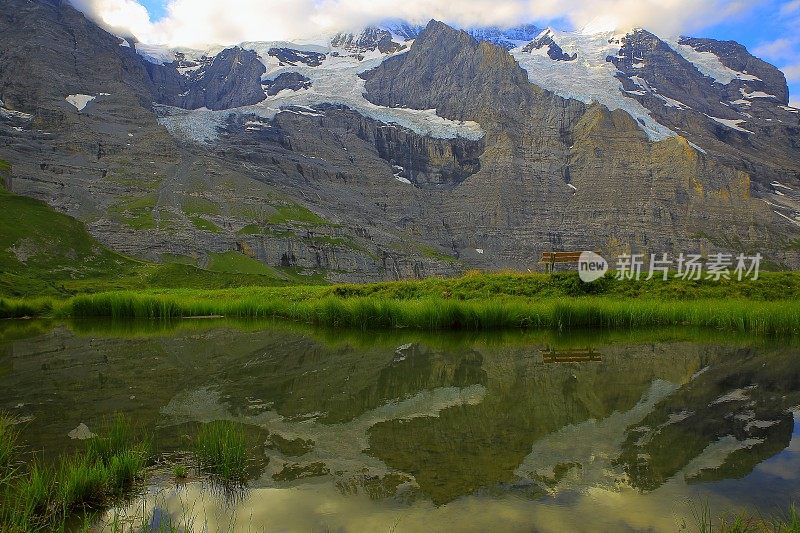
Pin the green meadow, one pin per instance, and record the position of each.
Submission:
(769, 305)
(51, 267)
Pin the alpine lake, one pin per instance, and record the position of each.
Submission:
(399, 431)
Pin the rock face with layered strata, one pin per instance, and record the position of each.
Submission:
(346, 191)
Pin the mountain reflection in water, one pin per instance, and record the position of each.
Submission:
(406, 431)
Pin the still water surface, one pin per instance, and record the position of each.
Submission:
(408, 431)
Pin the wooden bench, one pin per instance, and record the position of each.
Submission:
(571, 356)
(551, 259)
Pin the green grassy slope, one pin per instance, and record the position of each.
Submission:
(43, 252)
(46, 253)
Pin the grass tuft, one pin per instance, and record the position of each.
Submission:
(42, 499)
(8, 448)
(180, 471)
(221, 450)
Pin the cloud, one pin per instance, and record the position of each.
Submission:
(206, 22)
(792, 72)
(121, 17)
(790, 8)
(778, 49)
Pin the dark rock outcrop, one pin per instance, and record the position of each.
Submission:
(232, 79)
(554, 51)
(736, 57)
(461, 78)
(289, 56)
(764, 140)
(369, 40)
(292, 81)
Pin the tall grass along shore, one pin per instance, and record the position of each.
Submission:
(34, 497)
(770, 305)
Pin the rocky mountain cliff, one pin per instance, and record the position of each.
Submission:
(402, 151)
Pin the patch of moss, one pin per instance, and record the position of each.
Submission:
(193, 206)
(251, 229)
(432, 253)
(205, 225)
(296, 213)
(135, 212)
(178, 259)
(237, 263)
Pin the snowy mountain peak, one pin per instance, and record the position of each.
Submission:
(370, 39)
(507, 38)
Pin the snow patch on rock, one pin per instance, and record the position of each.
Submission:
(79, 100)
(693, 145)
(9, 113)
(756, 94)
(708, 63)
(733, 124)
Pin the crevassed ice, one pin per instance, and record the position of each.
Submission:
(199, 125)
(335, 81)
(709, 64)
(160, 55)
(589, 78)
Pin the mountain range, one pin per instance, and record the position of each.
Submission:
(400, 151)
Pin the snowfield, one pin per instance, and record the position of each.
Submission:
(589, 78)
(335, 81)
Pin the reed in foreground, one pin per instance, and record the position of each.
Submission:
(46, 499)
(221, 450)
(784, 522)
(25, 308)
(756, 317)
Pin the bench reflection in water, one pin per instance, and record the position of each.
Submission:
(552, 355)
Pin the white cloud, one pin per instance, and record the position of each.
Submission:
(792, 72)
(205, 22)
(778, 49)
(790, 7)
(122, 17)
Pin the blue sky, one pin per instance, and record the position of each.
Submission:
(768, 28)
(156, 8)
